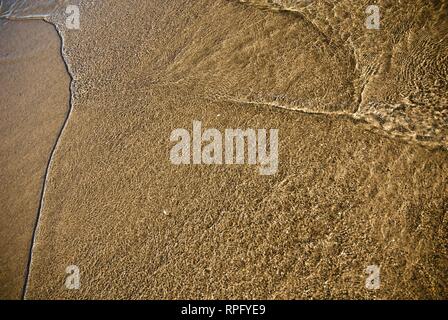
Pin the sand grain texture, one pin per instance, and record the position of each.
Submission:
(363, 163)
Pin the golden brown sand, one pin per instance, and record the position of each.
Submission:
(33, 102)
(363, 164)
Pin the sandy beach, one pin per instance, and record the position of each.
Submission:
(34, 100)
(362, 117)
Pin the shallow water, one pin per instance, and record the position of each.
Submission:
(395, 78)
(345, 197)
(400, 78)
(29, 9)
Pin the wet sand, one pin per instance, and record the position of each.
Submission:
(34, 100)
(363, 161)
